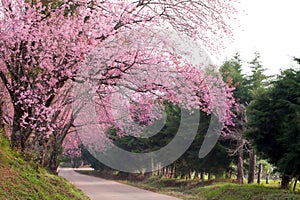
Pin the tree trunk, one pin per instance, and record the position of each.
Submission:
(53, 164)
(164, 171)
(285, 180)
(1, 115)
(167, 171)
(267, 179)
(240, 166)
(202, 176)
(295, 183)
(55, 151)
(196, 176)
(16, 134)
(209, 176)
(252, 163)
(259, 173)
(182, 176)
(173, 169)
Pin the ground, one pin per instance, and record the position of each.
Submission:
(20, 179)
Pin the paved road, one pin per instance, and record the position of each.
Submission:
(101, 189)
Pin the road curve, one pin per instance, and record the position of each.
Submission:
(101, 189)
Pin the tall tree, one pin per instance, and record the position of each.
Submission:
(257, 81)
(43, 47)
(256, 84)
(232, 74)
(247, 87)
(274, 118)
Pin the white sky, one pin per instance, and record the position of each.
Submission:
(271, 27)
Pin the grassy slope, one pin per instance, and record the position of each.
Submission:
(21, 180)
(214, 190)
(206, 190)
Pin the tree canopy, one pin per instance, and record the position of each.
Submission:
(274, 117)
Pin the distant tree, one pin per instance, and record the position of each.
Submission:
(255, 84)
(247, 87)
(232, 74)
(267, 169)
(274, 117)
(257, 80)
(217, 162)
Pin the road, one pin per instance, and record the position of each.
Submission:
(101, 189)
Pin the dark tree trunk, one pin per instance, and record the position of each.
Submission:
(55, 151)
(267, 179)
(17, 135)
(252, 163)
(285, 180)
(53, 164)
(202, 176)
(240, 166)
(295, 183)
(209, 176)
(259, 173)
(1, 115)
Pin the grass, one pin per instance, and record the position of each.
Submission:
(24, 180)
(206, 190)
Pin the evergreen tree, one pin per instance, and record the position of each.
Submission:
(275, 120)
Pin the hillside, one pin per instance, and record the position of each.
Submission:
(23, 180)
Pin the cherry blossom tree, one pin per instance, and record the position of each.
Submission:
(44, 47)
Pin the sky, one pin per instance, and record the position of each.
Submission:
(270, 27)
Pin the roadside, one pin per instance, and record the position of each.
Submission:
(201, 190)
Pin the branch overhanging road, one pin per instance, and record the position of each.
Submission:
(101, 189)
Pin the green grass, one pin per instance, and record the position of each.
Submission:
(24, 180)
(230, 191)
(207, 190)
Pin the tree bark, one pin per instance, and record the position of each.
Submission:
(1, 115)
(252, 163)
(196, 176)
(240, 166)
(55, 150)
(259, 173)
(285, 180)
(209, 176)
(17, 137)
(295, 183)
(174, 171)
(202, 176)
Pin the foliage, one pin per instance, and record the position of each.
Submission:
(46, 47)
(274, 117)
(257, 79)
(232, 74)
(217, 161)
